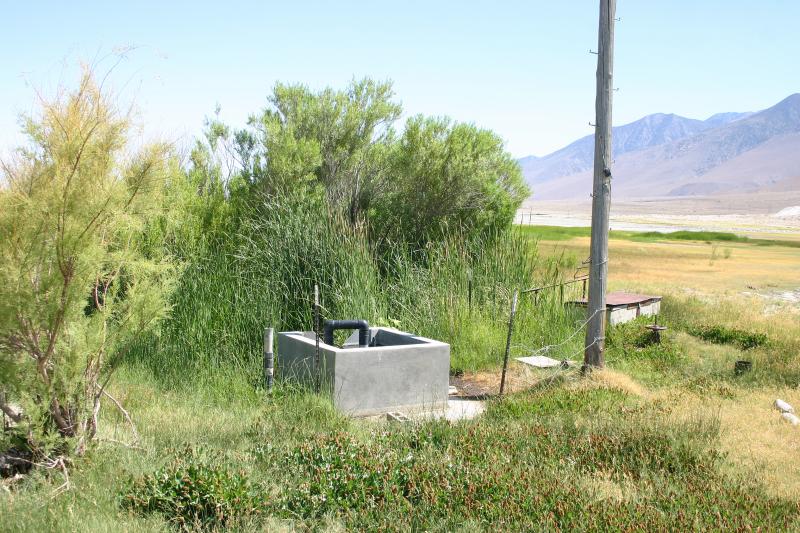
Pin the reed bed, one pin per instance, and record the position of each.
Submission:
(261, 272)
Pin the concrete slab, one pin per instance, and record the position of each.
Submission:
(457, 409)
(462, 409)
(540, 361)
(396, 416)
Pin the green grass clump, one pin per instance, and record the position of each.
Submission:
(552, 400)
(717, 334)
(707, 237)
(632, 342)
(560, 233)
(554, 233)
(704, 236)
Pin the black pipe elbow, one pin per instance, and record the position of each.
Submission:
(361, 325)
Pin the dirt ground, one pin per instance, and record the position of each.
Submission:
(519, 377)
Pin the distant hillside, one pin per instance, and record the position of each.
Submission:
(669, 155)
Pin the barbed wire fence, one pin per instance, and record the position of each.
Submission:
(536, 351)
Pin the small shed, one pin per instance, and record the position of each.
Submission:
(623, 307)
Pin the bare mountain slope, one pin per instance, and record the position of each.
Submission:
(731, 152)
(652, 130)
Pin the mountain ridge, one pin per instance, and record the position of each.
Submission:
(666, 154)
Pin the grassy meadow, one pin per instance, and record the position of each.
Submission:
(730, 283)
(665, 438)
(701, 263)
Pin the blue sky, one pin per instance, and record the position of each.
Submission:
(522, 69)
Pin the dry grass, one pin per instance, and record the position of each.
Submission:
(599, 486)
(745, 289)
(670, 266)
(611, 379)
(757, 441)
(519, 377)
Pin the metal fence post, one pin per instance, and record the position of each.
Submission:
(508, 340)
(317, 369)
(469, 292)
(269, 359)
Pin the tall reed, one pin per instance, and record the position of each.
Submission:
(262, 273)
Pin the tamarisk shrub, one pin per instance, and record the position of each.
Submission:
(77, 283)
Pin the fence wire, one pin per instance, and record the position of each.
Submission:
(535, 352)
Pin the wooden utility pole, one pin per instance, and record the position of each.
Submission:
(601, 195)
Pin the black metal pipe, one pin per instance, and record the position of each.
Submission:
(361, 325)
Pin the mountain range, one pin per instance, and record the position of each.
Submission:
(669, 155)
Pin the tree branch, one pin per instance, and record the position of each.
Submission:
(64, 427)
(125, 414)
(10, 413)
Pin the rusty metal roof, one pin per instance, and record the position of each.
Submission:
(615, 299)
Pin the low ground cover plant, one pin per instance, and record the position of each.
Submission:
(566, 458)
(197, 489)
(718, 334)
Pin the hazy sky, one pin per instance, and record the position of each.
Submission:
(522, 68)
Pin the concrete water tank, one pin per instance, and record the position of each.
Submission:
(395, 371)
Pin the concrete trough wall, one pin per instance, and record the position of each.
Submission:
(623, 307)
(397, 372)
(621, 314)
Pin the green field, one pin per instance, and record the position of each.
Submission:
(561, 233)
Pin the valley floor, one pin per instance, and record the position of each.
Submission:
(752, 214)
